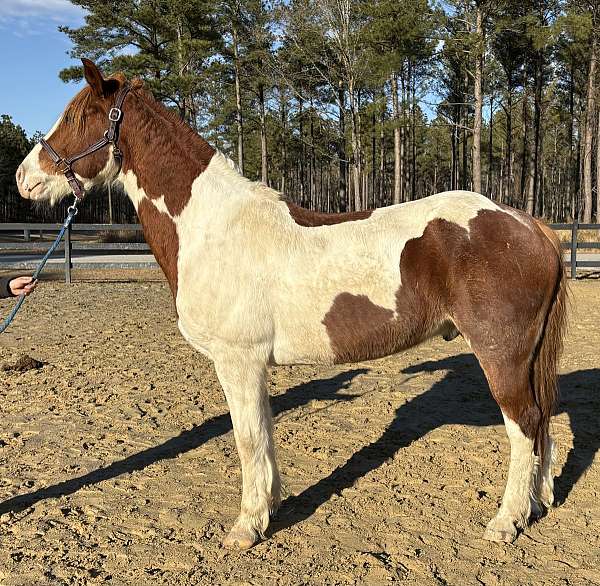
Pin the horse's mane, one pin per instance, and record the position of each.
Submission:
(77, 109)
(184, 133)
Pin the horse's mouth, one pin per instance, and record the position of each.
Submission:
(36, 191)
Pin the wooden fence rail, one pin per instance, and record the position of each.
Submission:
(70, 244)
(574, 245)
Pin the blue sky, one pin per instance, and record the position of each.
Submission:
(32, 52)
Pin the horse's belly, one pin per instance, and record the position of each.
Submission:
(373, 336)
(353, 330)
(303, 345)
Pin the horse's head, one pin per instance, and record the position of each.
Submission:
(83, 123)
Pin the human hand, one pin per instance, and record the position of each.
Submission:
(21, 285)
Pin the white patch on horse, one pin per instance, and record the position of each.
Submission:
(131, 185)
(161, 206)
(545, 481)
(516, 502)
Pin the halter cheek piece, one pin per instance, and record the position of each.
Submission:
(111, 137)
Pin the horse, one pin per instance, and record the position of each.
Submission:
(258, 281)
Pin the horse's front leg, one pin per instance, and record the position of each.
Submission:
(243, 379)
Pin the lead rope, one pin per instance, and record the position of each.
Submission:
(71, 213)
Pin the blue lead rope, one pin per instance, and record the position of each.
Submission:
(72, 212)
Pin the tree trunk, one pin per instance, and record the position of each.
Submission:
(382, 150)
(598, 170)
(588, 139)
(477, 121)
(355, 144)
(510, 182)
(490, 178)
(110, 203)
(342, 185)
(283, 183)
(373, 159)
(454, 144)
(570, 175)
(301, 188)
(403, 138)
(238, 103)
(264, 177)
(414, 137)
(537, 149)
(313, 160)
(530, 206)
(525, 150)
(397, 141)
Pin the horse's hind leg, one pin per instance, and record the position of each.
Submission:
(243, 379)
(512, 391)
(544, 489)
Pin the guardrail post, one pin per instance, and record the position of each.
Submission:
(574, 249)
(68, 264)
(26, 234)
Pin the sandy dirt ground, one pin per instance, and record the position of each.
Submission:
(118, 464)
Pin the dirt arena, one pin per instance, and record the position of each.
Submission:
(118, 464)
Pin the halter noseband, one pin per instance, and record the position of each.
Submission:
(111, 137)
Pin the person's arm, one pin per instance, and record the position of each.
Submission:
(5, 287)
(12, 287)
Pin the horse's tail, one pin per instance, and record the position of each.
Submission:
(544, 369)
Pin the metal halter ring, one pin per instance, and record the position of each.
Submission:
(115, 114)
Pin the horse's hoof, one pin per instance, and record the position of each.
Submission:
(499, 536)
(239, 538)
(500, 531)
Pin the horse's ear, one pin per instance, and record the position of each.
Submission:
(94, 78)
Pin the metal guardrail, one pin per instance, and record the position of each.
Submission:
(574, 245)
(69, 245)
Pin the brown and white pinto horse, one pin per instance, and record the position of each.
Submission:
(258, 281)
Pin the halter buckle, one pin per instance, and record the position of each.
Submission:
(115, 114)
(63, 166)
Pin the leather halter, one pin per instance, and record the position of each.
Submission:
(111, 137)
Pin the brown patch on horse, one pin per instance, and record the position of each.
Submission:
(350, 314)
(501, 284)
(506, 318)
(161, 235)
(164, 153)
(360, 330)
(310, 218)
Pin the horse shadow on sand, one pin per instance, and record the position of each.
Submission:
(322, 389)
(460, 397)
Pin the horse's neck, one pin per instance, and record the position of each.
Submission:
(162, 156)
(174, 177)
